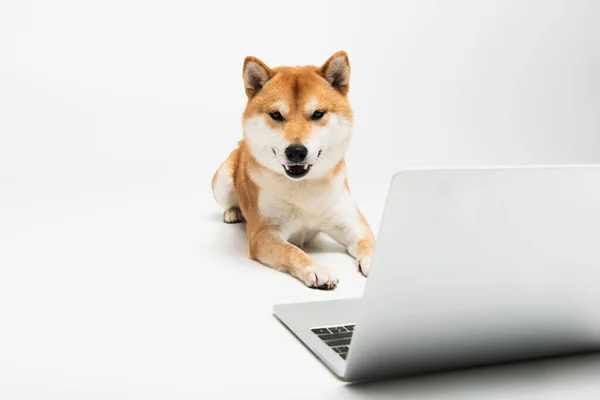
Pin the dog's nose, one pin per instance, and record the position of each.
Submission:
(296, 153)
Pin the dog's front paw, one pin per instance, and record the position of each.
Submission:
(233, 216)
(364, 265)
(319, 277)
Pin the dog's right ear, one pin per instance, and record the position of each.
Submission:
(256, 74)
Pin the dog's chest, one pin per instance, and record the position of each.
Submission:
(298, 213)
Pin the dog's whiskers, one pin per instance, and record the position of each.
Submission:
(265, 148)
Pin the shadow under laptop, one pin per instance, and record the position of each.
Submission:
(559, 376)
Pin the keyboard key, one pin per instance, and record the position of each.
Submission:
(337, 337)
(332, 336)
(342, 349)
(338, 342)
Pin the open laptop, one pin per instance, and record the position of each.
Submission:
(472, 267)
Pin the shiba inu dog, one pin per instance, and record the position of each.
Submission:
(287, 177)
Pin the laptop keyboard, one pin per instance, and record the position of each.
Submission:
(337, 337)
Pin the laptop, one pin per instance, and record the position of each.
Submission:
(473, 266)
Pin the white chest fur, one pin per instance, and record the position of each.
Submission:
(299, 209)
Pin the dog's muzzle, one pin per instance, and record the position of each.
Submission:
(296, 154)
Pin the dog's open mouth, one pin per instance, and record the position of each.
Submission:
(297, 171)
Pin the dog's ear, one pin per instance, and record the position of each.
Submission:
(336, 71)
(256, 74)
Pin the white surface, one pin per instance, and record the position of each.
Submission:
(114, 265)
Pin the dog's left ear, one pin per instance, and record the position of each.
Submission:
(336, 71)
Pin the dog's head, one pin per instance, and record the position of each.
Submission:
(298, 120)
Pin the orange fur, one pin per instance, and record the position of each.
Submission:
(242, 180)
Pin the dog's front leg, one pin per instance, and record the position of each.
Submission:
(349, 227)
(271, 249)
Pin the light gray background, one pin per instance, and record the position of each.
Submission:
(115, 114)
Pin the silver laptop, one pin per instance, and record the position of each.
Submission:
(472, 267)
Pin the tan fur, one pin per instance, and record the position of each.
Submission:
(296, 210)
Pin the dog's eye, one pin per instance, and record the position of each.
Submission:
(317, 115)
(276, 115)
